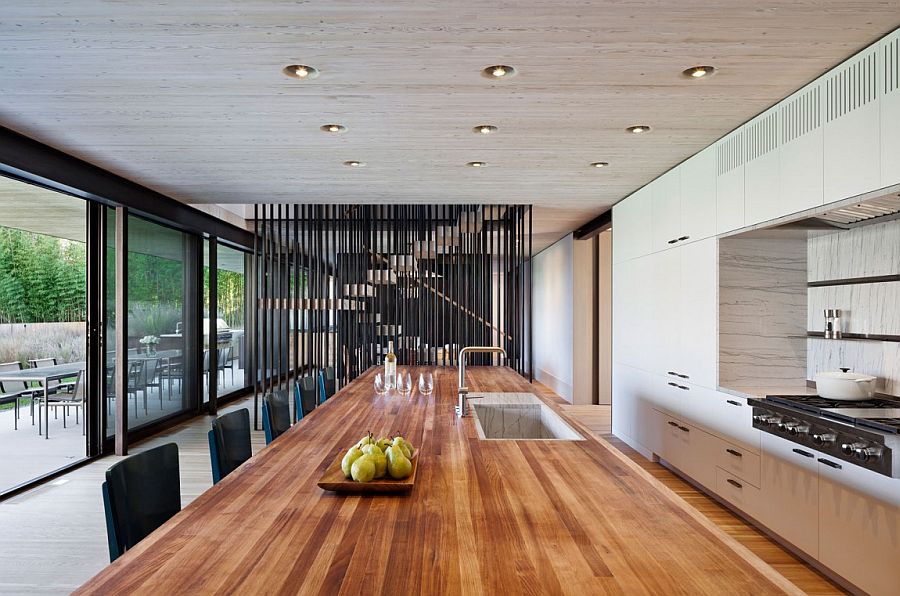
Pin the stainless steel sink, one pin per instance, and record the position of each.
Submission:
(518, 416)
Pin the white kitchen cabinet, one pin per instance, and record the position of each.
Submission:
(801, 174)
(859, 532)
(665, 193)
(890, 110)
(631, 219)
(624, 306)
(730, 182)
(696, 354)
(624, 402)
(733, 421)
(852, 144)
(743, 495)
(664, 287)
(739, 462)
(698, 196)
(762, 197)
(790, 486)
(690, 449)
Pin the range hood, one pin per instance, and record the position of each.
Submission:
(852, 215)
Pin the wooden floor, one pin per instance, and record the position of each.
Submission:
(53, 538)
(598, 419)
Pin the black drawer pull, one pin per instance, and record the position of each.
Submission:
(685, 376)
(683, 387)
(673, 373)
(684, 428)
(672, 423)
(732, 402)
(683, 238)
(734, 483)
(830, 464)
(735, 453)
(673, 241)
(803, 453)
(673, 384)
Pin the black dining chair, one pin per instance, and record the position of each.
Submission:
(276, 414)
(326, 383)
(229, 443)
(305, 396)
(140, 494)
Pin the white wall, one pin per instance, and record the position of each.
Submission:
(552, 288)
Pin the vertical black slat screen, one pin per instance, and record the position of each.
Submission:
(335, 283)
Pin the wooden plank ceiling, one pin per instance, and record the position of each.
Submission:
(188, 98)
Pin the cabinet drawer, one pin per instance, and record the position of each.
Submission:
(738, 461)
(738, 492)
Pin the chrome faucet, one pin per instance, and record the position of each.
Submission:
(462, 408)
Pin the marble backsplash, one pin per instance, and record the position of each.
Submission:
(762, 309)
(866, 308)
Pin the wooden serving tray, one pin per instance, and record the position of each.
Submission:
(334, 480)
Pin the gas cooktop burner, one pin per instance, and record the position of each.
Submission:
(815, 403)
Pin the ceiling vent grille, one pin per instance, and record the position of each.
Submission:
(852, 87)
(762, 136)
(892, 65)
(801, 114)
(730, 152)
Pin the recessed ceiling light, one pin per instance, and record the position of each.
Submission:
(300, 71)
(477, 164)
(485, 129)
(639, 129)
(599, 164)
(499, 71)
(698, 72)
(334, 128)
(355, 164)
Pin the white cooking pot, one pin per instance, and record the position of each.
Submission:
(845, 385)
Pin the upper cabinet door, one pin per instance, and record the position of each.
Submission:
(730, 182)
(890, 110)
(698, 195)
(666, 209)
(697, 312)
(802, 150)
(631, 219)
(762, 140)
(852, 137)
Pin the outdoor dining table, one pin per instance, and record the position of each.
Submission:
(44, 375)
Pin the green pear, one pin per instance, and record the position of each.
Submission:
(381, 464)
(352, 455)
(401, 444)
(399, 466)
(363, 469)
(372, 449)
(366, 440)
(383, 443)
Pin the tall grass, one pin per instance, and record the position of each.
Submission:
(24, 342)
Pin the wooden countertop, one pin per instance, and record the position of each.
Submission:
(485, 517)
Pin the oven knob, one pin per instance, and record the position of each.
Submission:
(824, 438)
(868, 453)
(788, 426)
(850, 448)
(799, 429)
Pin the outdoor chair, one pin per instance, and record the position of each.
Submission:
(11, 393)
(226, 363)
(67, 400)
(52, 386)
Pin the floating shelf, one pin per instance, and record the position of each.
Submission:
(875, 279)
(856, 336)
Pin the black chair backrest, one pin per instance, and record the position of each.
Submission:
(232, 433)
(328, 381)
(144, 492)
(279, 412)
(309, 394)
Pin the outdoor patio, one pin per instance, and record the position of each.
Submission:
(29, 455)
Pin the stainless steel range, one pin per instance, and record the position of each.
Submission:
(865, 433)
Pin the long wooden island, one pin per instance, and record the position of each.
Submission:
(485, 516)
